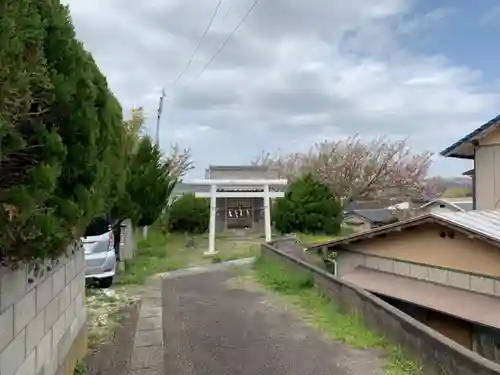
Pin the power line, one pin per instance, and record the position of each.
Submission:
(184, 70)
(223, 45)
(190, 61)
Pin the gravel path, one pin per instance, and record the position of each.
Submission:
(213, 328)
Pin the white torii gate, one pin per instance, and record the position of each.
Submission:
(214, 194)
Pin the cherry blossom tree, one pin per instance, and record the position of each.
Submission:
(355, 169)
(180, 160)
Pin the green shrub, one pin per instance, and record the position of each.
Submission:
(189, 214)
(60, 133)
(308, 206)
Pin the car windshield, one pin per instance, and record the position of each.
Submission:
(97, 227)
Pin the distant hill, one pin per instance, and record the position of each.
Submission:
(443, 183)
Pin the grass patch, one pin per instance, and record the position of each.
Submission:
(322, 313)
(103, 313)
(232, 250)
(160, 253)
(311, 239)
(155, 254)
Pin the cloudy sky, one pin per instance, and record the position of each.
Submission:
(297, 72)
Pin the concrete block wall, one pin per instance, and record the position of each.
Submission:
(348, 261)
(42, 316)
(128, 243)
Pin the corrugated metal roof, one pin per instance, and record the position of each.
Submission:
(383, 215)
(453, 150)
(485, 222)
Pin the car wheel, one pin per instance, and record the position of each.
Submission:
(106, 282)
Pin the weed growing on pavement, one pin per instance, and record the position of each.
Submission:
(321, 312)
(80, 368)
(104, 308)
(216, 259)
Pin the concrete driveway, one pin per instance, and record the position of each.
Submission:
(210, 327)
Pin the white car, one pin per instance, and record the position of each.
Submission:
(100, 256)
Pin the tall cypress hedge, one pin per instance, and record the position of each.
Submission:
(61, 133)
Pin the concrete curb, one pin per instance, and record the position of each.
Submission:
(147, 357)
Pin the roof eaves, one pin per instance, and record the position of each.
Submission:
(377, 231)
(451, 150)
(486, 218)
(455, 206)
(415, 221)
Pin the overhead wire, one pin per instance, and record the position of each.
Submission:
(223, 45)
(198, 46)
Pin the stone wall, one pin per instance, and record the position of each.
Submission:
(438, 354)
(42, 316)
(348, 260)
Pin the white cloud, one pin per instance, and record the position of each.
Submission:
(296, 72)
(490, 17)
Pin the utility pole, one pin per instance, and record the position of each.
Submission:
(158, 120)
(160, 110)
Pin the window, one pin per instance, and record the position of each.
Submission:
(97, 227)
(331, 263)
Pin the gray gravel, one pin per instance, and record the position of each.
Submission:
(211, 328)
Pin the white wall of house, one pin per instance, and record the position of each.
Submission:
(42, 316)
(487, 170)
(487, 177)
